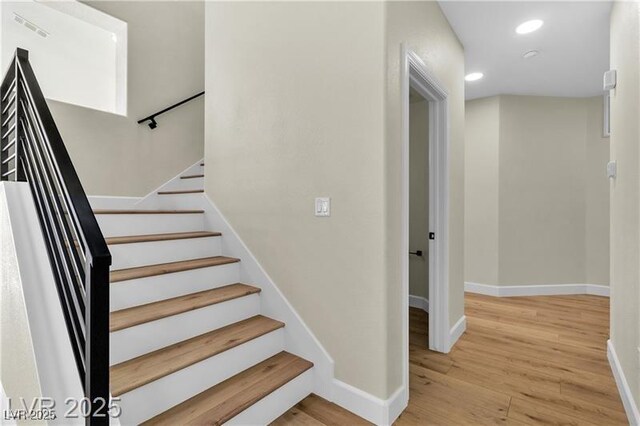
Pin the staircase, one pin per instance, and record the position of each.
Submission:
(188, 343)
(157, 316)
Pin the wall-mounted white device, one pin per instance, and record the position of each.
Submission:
(323, 206)
(610, 80)
(612, 169)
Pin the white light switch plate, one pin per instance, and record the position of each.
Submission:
(612, 169)
(323, 206)
(610, 80)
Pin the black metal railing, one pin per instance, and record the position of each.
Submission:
(152, 118)
(32, 150)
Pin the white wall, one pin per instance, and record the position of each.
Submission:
(18, 369)
(297, 114)
(307, 103)
(113, 154)
(76, 63)
(542, 190)
(482, 172)
(36, 354)
(419, 197)
(625, 199)
(543, 184)
(597, 220)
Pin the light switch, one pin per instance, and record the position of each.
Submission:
(323, 206)
(610, 80)
(612, 169)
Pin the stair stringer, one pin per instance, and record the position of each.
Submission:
(299, 339)
(153, 200)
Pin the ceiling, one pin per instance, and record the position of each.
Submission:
(573, 45)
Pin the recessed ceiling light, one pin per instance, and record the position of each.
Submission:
(473, 76)
(529, 26)
(530, 54)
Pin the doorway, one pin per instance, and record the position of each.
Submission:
(418, 219)
(416, 77)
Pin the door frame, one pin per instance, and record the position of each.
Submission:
(416, 74)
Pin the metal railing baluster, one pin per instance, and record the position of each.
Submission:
(32, 150)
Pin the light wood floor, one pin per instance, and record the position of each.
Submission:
(522, 360)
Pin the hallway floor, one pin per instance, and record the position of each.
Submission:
(522, 360)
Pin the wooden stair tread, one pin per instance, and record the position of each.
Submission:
(183, 191)
(136, 315)
(160, 237)
(191, 176)
(168, 268)
(227, 399)
(106, 211)
(147, 368)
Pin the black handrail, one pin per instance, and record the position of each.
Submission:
(152, 118)
(32, 150)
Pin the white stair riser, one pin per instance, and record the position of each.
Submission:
(113, 421)
(276, 403)
(185, 184)
(177, 202)
(109, 203)
(125, 294)
(151, 253)
(118, 225)
(150, 400)
(144, 338)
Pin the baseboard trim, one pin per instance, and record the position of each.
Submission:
(630, 407)
(457, 331)
(536, 290)
(598, 290)
(419, 302)
(376, 410)
(486, 289)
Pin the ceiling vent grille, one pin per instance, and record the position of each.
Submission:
(30, 25)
